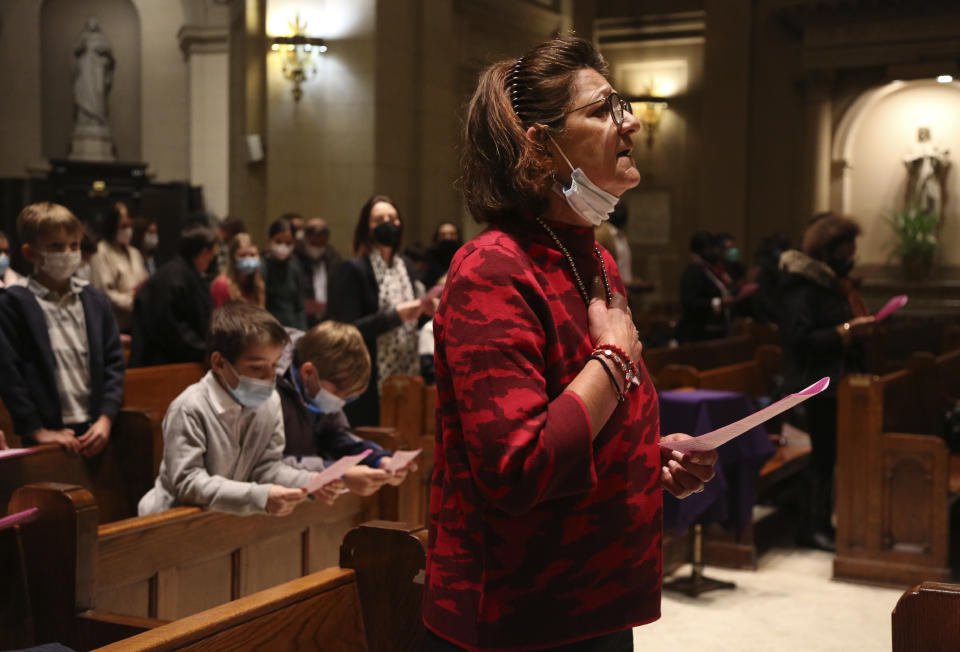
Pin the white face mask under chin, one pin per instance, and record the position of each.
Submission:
(587, 199)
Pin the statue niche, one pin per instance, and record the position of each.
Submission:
(93, 79)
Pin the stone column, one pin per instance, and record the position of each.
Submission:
(204, 40)
(818, 138)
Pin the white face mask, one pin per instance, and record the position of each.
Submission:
(150, 240)
(61, 265)
(124, 236)
(327, 402)
(280, 251)
(250, 392)
(587, 199)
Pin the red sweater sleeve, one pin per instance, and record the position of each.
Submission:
(220, 290)
(523, 447)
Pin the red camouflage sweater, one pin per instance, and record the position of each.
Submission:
(538, 535)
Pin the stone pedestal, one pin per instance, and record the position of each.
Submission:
(92, 143)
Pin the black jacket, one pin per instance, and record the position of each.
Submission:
(698, 319)
(330, 258)
(355, 299)
(811, 307)
(29, 388)
(171, 314)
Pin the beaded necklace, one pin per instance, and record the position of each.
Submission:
(573, 267)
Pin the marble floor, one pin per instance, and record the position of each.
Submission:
(789, 604)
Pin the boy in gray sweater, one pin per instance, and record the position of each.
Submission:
(223, 436)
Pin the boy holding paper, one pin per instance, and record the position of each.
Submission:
(223, 436)
(321, 371)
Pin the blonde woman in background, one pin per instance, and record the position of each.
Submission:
(242, 281)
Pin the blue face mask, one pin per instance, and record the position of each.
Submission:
(4, 264)
(732, 255)
(248, 264)
(250, 392)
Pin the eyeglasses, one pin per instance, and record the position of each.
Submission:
(615, 104)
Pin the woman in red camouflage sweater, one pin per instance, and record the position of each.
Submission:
(546, 503)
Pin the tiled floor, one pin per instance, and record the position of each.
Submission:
(789, 604)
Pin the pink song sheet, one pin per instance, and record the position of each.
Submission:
(716, 438)
(892, 306)
(334, 471)
(400, 460)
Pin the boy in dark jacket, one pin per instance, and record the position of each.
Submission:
(322, 370)
(62, 363)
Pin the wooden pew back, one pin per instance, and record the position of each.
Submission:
(701, 355)
(182, 561)
(318, 612)
(154, 388)
(893, 485)
(117, 477)
(382, 572)
(752, 377)
(927, 617)
(16, 612)
(410, 406)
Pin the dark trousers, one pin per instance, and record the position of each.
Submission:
(822, 426)
(621, 641)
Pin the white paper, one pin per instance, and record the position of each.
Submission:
(711, 440)
(334, 471)
(400, 460)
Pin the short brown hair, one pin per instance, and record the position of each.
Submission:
(45, 218)
(503, 172)
(236, 325)
(339, 353)
(827, 232)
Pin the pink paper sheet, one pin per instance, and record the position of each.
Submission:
(14, 452)
(334, 471)
(19, 517)
(716, 438)
(892, 306)
(401, 459)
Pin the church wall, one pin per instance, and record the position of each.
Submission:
(320, 153)
(61, 23)
(164, 92)
(669, 168)
(886, 133)
(20, 130)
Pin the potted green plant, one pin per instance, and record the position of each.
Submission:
(916, 241)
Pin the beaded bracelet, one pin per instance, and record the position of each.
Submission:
(616, 355)
(613, 380)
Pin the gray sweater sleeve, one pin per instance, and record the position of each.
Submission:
(184, 445)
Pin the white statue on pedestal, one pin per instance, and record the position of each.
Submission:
(927, 168)
(93, 77)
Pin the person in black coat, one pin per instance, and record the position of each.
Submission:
(704, 298)
(822, 323)
(46, 379)
(386, 314)
(318, 262)
(172, 310)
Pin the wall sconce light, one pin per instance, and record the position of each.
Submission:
(298, 64)
(649, 111)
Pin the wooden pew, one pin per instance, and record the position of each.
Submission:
(896, 480)
(893, 342)
(927, 618)
(117, 477)
(752, 377)
(16, 611)
(68, 568)
(410, 406)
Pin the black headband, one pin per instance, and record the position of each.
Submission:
(516, 87)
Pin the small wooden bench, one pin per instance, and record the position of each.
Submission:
(896, 479)
(72, 566)
(927, 619)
